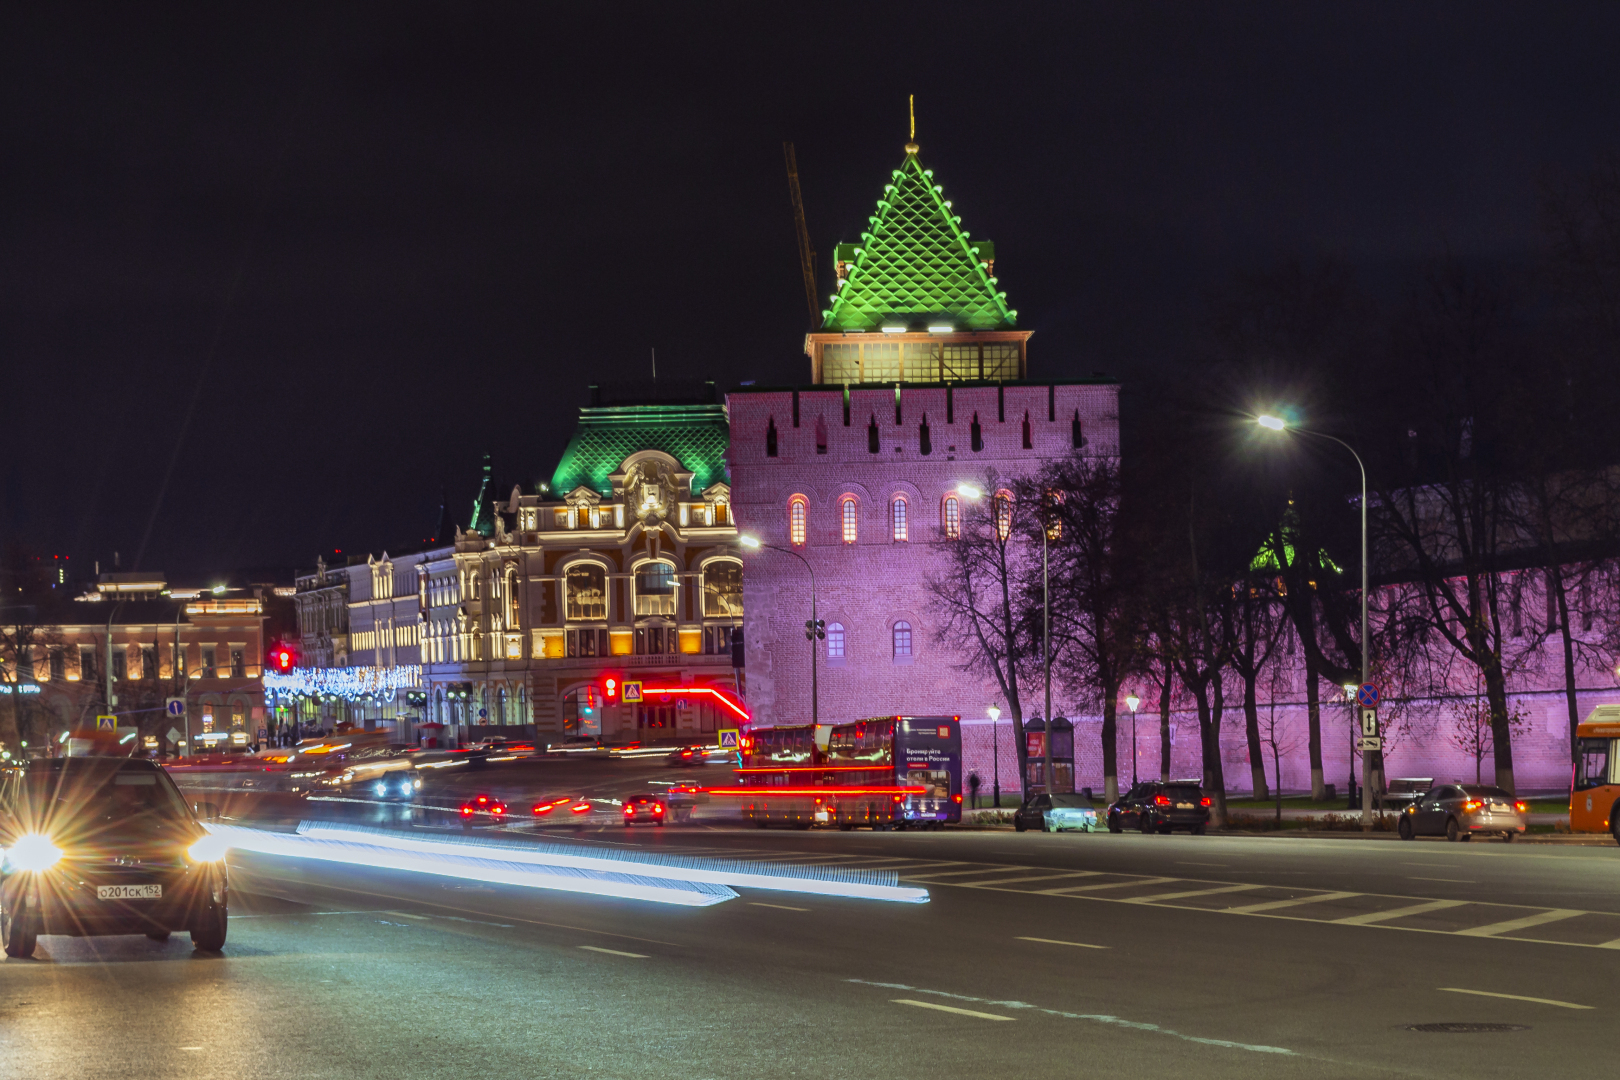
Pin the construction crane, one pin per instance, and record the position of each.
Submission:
(807, 254)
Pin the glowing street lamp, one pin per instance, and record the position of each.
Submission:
(1274, 423)
(1131, 702)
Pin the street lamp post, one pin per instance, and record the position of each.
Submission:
(1131, 702)
(1274, 423)
(814, 630)
(995, 753)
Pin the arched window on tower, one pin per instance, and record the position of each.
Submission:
(951, 515)
(835, 642)
(1004, 511)
(897, 517)
(797, 507)
(848, 510)
(902, 640)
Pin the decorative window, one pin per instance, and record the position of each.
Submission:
(953, 517)
(655, 589)
(796, 515)
(586, 585)
(835, 641)
(1004, 510)
(902, 639)
(897, 515)
(722, 590)
(847, 510)
(720, 513)
(513, 608)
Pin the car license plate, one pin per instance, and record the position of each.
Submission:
(1184, 806)
(129, 892)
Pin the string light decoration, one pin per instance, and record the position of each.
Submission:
(350, 684)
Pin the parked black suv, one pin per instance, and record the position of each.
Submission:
(1161, 807)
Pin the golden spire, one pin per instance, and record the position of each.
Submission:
(912, 147)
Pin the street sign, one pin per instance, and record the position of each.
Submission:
(175, 706)
(1369, 722)
(1367, 696)
(730, 739)
(174, 735)
(1370, 742)
(106, 723)
(632, 691)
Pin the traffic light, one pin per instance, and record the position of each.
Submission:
(610, 687)
(283, 658)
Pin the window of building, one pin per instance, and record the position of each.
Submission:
(821, 434)
(722, 590)
(582, 711)
(976, 433)
(1029, 442)
(848, 511)
(87, 662)
(513, 609)
(586, 585)
(1004, 508)
(1077, 431)
(796, 515)
(58, 662)
(953, 517)
(770, 438)
(655, 589)
(835, 641)
(119, 671)
(238, 664)
(902, 640)
(872, 435)
(209, 668)
(897, 515)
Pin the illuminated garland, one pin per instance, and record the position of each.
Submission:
(350, 684)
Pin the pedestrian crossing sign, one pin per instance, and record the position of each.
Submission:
(729, 739)
(106, 723)
(632, 691)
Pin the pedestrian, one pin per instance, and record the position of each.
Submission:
(973, 787)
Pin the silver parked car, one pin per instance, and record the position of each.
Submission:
(1459, 811)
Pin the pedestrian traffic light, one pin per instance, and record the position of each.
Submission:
(610, 686)
(283, 658)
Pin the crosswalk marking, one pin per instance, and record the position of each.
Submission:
(1509, 925)
(979, 870)
(1021, 880)
(1071, 889)
(1191, 892)
(1275, 905)
(949, 1009)
(1398, 913)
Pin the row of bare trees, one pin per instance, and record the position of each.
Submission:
(1214, 560)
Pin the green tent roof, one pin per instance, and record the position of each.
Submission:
(917, 262)
(694, 435)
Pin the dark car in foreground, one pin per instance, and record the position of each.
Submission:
(101, 846)
(1462, 811)
(1159, 806)
(644, 808)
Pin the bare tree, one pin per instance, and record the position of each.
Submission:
(973, 596)
(1257, 625)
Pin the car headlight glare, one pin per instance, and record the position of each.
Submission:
(33, 852)
(210, 848)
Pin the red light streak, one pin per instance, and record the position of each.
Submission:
(723, 698)
(815, 768)
(837, 792)
(582, 808)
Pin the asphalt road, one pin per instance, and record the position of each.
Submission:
(1037, 955)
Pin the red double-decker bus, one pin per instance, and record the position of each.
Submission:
(887, 772)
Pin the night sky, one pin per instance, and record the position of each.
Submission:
(320, 261)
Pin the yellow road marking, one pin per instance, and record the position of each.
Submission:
(1509, 925)
(779, 907)
(1273, 905)
(614, 952)
(1055, 941)
(1398, 913)
(1515, 997)
(949, 1009)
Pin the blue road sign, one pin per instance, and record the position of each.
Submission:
(1367, 696)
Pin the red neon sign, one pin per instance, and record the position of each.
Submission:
(724, 698)
(827, 792)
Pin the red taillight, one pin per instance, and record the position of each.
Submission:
(899, 798)
(629, 808)
(657, 809)
(1471, 805)
(1521, 808)
(542, 808)
(956, 798)
(483, 800)
(466, 811)
(1204, 801)
(1161, 800)
(582, 808)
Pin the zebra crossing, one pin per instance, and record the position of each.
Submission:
(1371, 910)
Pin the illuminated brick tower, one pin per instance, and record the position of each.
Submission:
(918, 382)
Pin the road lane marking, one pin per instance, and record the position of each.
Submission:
(614, 952)
(779, 907)
(1067, 890)
(1509, 925)
(949, 1009)
(1055, 941)
(1035, 877)
(1191, 892)
(1448, 880)
(480, 922)
(403, 914)
(1095, 1018)
(1398, 913)
(1216, 864)
(1273, 905)
(1515, 997)
(980, 870)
